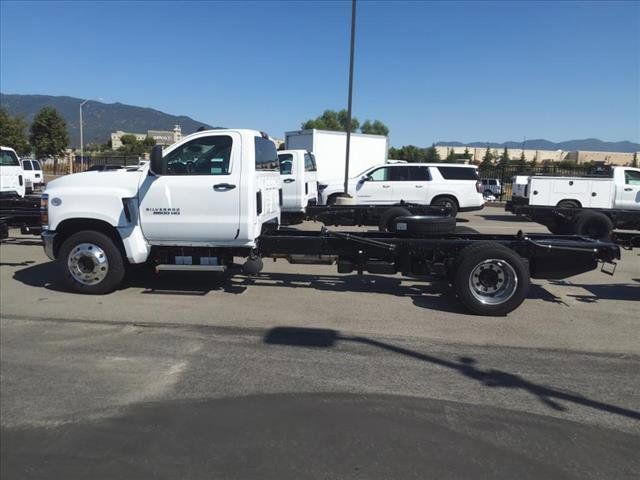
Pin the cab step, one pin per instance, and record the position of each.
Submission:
(191, 268)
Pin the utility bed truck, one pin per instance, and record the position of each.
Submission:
(593, 206)
(216, 195)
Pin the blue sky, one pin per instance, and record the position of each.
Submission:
(475, 71)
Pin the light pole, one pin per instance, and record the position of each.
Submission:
(353, 41)
(81, 138)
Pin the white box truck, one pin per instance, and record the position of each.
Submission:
(329, 149)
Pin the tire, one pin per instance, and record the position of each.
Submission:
(489, 265)
(568, 204)
(84, 270)
(424, 225)
(593, 224)
(446, 202)
(332, 199)
(388, 216)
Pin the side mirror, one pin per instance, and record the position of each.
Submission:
(156, 164)
(366, 178)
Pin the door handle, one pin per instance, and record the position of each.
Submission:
(289, 180)
(221, 187)
(628, 189)
(418, 186)
(386, 186)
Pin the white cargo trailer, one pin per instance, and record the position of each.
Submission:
(329, 149)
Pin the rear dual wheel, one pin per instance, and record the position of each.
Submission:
(490, 279)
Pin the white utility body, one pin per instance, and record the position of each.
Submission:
(453, 185)
(329, 149)
(299, 180)
(215, 189)
(12, 181)
(620, 191)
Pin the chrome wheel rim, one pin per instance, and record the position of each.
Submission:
(88, 264)
(493, 281)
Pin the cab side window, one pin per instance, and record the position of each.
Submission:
(309, 163)
(286, 163)
(631, 177)
(201, 156)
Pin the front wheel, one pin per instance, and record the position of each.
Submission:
(490, 279)
(90, 262)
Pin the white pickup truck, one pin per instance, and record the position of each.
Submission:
(12, 181)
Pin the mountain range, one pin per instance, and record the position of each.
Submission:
(99, 119)
(588, 144)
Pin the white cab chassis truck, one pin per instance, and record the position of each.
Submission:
(299, 182)
(216, 195)
(593, 206)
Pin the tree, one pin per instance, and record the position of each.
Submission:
(431, 154)
(12, 133)
(487, 159)
(466, 154)
(374, 128)
(534, 162)
(331, 120)
(132, 146)
(48, 135)
(504, 158)
(410, 153)
(634, 162)
(337, 122)
(451, 155)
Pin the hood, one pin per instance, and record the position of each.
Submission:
(126, 181)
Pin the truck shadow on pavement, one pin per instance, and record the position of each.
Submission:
(466, 366)
(430, 294)
(506, 218)
(604, 291)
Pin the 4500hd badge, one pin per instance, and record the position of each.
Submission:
(164, 211)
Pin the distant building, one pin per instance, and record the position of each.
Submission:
(579, 156)
(162, 137)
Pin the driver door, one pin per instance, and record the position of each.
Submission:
(376, 188)
(628, 195)
(197, 199)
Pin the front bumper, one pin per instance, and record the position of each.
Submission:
(48, 240)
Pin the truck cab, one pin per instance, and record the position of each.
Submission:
(299, 180)
(203, 199)
(12, 181)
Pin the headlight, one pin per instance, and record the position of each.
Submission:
(44, 211)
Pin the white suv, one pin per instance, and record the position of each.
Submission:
(456, 186)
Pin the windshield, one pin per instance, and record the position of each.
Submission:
(9, 159)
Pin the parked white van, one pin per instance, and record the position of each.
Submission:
(453, 185)
(11, 173)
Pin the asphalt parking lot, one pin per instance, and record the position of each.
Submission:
(256, 377)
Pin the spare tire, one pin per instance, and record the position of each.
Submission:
(388, 216)
(424, 225)
(593, 224)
